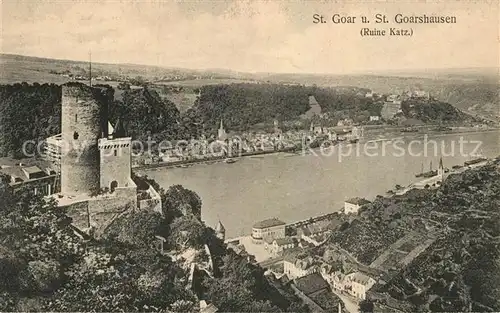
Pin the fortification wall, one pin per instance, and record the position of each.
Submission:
(115, 162)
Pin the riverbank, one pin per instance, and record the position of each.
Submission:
(388, 134)
(209, 160)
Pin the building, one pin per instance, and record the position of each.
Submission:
(299, 266)
(207, 308)
(52, 148)
(353, 205)
(267, 230)
(277, 246)
(220, 231)
(95, 170)
(374, 118)
(357, 284)
(38, 176)
(316, 293)
(334, 277)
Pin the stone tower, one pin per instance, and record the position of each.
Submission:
(115, 158)
(220, 231)
(81, 127)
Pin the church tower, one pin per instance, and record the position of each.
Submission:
(81, 127)
(221, 134)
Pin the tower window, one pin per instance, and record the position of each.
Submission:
(76, 117)
(116, 152)
(75, 135)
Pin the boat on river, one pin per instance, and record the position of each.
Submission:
(230, 160)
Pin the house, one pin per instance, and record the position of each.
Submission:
(39, 176)
(280, 244)
(268, 230)
(311, 283)
(299, 266)
(374, 118)
(334, 276)
(316, 232)
(357, 284)
(353, 205)
(316, 293)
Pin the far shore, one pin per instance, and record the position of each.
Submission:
(389, 134)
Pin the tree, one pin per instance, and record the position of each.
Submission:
(178, 200)
(366, 306)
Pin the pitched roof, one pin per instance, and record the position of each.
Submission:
(358, 201)
(360, 278)
(32, 169)
(311, 283)
(219, 227)
(268, 223)
(210, 309)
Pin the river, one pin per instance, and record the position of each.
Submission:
(296, 187)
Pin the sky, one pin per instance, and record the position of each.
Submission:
(251, 36)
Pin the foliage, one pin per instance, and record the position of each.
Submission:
(147, 115)
(180, 201)
(458, 270)
(242, 287)
(137, 228)
(28, 112)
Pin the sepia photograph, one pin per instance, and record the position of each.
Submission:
(296, 156)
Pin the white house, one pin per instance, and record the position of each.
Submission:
(268, 230)
(374, 118)
(280, 244)
(353, 205)
(357, 284)
(295, 267)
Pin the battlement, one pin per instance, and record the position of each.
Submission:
(115, 143)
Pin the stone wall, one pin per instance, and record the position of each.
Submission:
(99, 212)
(115, 162)
(80, 129)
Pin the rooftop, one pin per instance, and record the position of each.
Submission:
(219, 227)
(32, 169)
(360, 278)
(358, 201)
(311, 283)
(272, 222)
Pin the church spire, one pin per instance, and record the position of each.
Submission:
(221, 125)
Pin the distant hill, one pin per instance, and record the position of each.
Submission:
(474, 90)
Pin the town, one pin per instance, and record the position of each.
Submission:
(239, 156)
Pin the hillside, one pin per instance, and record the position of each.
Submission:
(474, 89)
(439, 249)
(47, 267)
